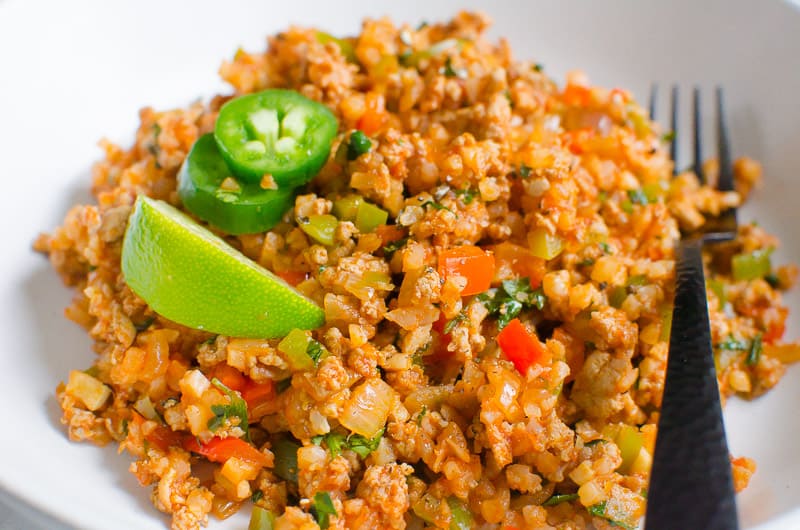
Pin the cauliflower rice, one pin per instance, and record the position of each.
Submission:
(470, 147)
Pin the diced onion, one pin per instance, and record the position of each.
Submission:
(366, 411)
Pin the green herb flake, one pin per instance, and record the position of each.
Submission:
(638, 196)
(358, 145)
(393, 247)
(558, 499)
(605, 247)
(668, 136)
(237, 408)
(422, 414)
(586, 262)
(315, 351)
(452, 323)
(730, 343)
(467, 195)
(510, 299)
(437, 206)
(599, 510)
(323, 509)
(538, 67)
(363, 446)
(450, 71)
(755, 351)
(525, 171)
(257, 496)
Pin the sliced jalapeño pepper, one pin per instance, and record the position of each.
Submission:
(275, 132)
(208, 190)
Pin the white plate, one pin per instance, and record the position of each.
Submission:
(72, 72)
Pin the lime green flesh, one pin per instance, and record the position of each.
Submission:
(192, 277)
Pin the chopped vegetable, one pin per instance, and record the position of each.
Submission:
(511, 298)
(558, 499)
(469, 262)
(520, 346)
(285, 451)
(192, 277)
(243, 209)
(275, 132)
(599, 510)
(366, 411)
(345, 45)
(261, 519)
(321, 228)
(346, 208)
(92, 392)
(719, 290)
(544, 245)
(363, 446)
(221, 449)
(323, 509)
(414, 58)
(236, 409)
(754, 354)
(638, 196)
(630, 441)
(751, 266)
(302, 352)
(369, 217)
(358, 145)
(460, 516)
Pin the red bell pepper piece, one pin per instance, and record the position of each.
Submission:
(470, 262)
(221, 449)
(520, 346)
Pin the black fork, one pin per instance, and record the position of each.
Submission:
(691, 486)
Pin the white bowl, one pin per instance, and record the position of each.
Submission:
(72, 72)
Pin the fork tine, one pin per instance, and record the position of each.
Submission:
(725, 182)
(697, 125)
(651, 108)
(673, 123)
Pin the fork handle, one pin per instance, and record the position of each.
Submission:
(691, 486)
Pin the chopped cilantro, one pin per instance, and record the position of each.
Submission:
(755, 351)
(437, 206)
(451, 324)
(538, 67)
(605, 247)
(323, 509)
(363, 446)
(731, 343)
(358, 145)
(314, 350)
(586, 262)
(599, 510)
(467, 195)
(257, 496)
(773, 280)
(422, 414)
(394, 246)
(558, 499)
(524, 171)
(506, 302)
(638, 196)
(237, 408)
(450, 71)
(668, 136)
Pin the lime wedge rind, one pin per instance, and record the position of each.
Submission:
(193, 277)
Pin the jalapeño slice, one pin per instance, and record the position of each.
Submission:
(276, 132)
(208, 190)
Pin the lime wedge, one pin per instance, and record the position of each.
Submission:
(192, 277)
